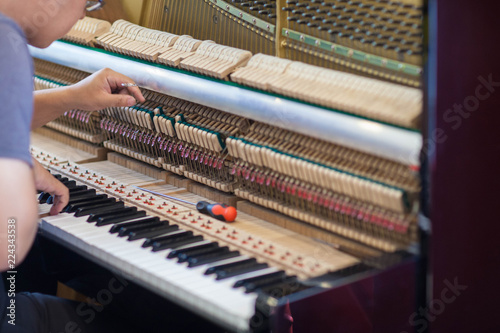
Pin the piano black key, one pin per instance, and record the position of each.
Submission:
(74, 207)
(218, 249)
(183, 254)
(116, 227)
(167, 237)
(185, 257)
(98, 208)
(79, 200)
(238, 270)
(269, 276)
(150, 241)
(42, 198)
(176, 240)
(151, 232)
(78, 188)
(82, 194)
(186, 241)
(289, 285)
(119, 218)
(222, 253)
(113, 212)
(125, 231)
(264, 282)
(213, 269)
(70, 184)
(97, 198)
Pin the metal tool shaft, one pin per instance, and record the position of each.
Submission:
(164, 195)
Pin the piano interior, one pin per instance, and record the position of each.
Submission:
(304, 115)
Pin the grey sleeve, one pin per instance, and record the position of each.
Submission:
(16, 93)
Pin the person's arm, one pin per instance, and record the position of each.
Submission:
(100, 90)
(18, 207)
(17, 204)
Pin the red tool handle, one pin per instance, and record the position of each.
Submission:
(219, 211)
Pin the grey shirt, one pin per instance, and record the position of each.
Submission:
(16, 104)
(16, 92)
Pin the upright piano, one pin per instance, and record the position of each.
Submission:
(306, 116)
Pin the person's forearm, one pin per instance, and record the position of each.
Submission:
(50, 104)
(105, 88)
(18, 209)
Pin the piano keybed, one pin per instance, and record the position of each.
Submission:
(50, 145)
(97, 175)
(246, 258)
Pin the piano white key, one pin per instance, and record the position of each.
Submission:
(43, 208)
(61, 221)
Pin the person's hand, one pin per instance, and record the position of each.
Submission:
(104, 89)
(45, 182)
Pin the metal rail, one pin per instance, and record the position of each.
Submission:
(383, 140)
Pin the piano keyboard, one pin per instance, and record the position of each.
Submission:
(214, 268)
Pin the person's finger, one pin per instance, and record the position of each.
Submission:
(59, 203)
(136, 92)
(115, 81)
(131, 89)
(118, 100)
(61, 198)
